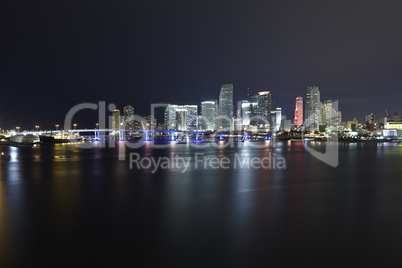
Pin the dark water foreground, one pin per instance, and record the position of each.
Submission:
(62, 206)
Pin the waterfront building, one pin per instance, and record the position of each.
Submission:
(352, 125)
(330, 116)
(278, 119)
(312, 117)
(116, 119)
(299, 112)
(245, 112)
(391, 124)
(149, 123)
(170, 116)
(180, 120)
(253, 100)
(264, 109)
(370, 118)
(208, 115)
(238, 126)
(181, 117)
(226, 107)
(273, 121)
(286, 125)
(128, 117)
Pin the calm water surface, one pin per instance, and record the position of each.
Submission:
(63, 206)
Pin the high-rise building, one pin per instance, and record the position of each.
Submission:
(226, 107)
(188, 117)
(286, 125)
(238, 110)
(181, 115)
(149, 122)
(208, 115)
(313, 106)
(264, 109)
(330, 116)
(170, 117)
(128, 117)
(192, 116)
(278, 119)
(299, 112)
(116, 119)
(253, 100)
(370, 118)
(237, 124)
(245, 112)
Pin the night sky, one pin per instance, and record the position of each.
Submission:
(57, 54)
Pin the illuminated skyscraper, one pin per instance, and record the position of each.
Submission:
(116, 119)
(245, 112)
(278, 119)
(299, 112)
(181, 117)
(208, 115)
(313, 109)
(253, 100)
(192, 116)
(149, 122)
(128, 117)
(370, 118)
(264, 109)
(330, 116)
(170, 117)
(226, 107)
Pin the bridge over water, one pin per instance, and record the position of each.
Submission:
(148, 135)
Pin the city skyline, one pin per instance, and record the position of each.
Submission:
(257, 106)
(51, 63)
(200, 133)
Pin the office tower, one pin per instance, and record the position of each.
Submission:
(208, 115)
(116, 119)
(278, 119)
(180, 119)
(286, 125)
(128, 117)
(330, 116)
(264, 109)
(188, 117)
(238, 124)
(226, 107)
(149, 122)
(370, 118)
(299, 112)
(273, 121)
(192, 116)
(245, 112)
(170, 117)
(238, 110)
(313, 106)
(253, 100)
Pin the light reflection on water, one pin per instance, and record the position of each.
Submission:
(64, 200)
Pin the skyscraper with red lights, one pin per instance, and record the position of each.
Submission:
(299, 112)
